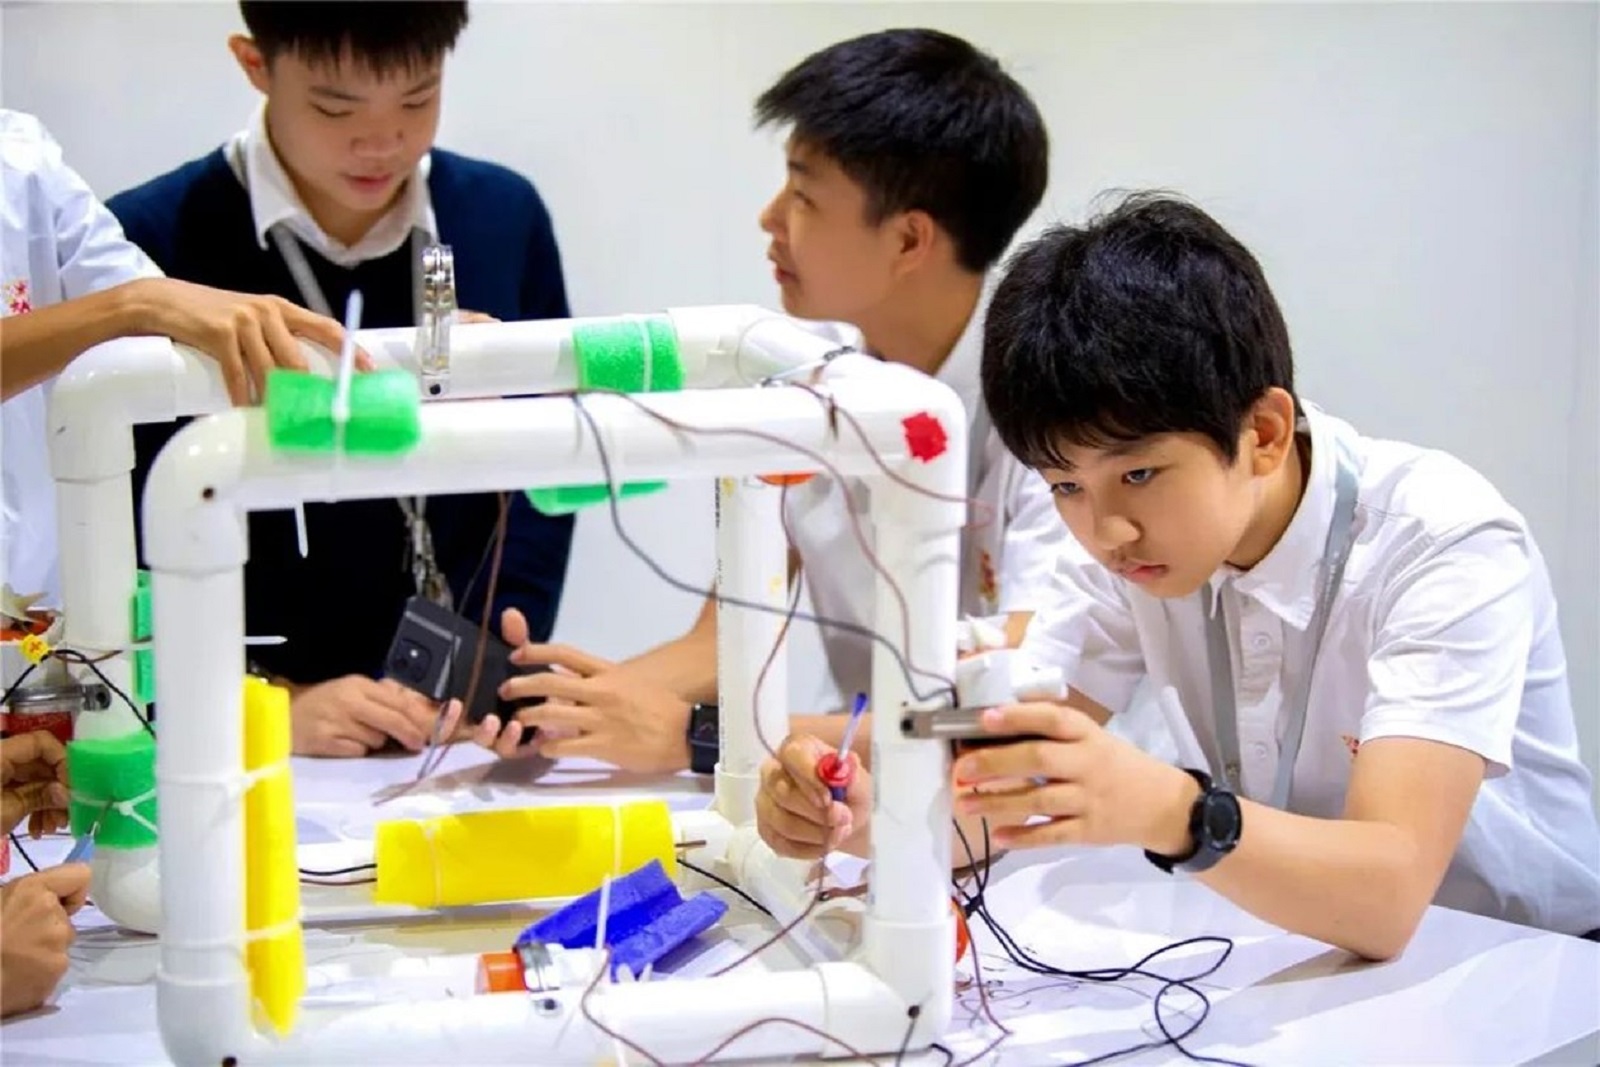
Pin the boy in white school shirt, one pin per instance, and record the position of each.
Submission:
(70, 280)
(913, 160)
(1411, 742)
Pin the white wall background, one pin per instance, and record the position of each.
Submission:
(1421, 181)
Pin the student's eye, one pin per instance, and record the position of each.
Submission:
(1064, 488)
(1140, 476)
(417, 105)
(331, 114)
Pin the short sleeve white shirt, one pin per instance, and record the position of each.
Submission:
(1008, 550)
(1444, 628)
(57, 242)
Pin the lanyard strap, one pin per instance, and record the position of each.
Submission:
(1219, 655)
(420, 559)
(305, 279)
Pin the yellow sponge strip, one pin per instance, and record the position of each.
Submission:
(275, 955)
(485, 857)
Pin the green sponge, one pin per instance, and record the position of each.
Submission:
(144, 664)
(104, 770)
(140, 606)
(384, 413)
(628, 356)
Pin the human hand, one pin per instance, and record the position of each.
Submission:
(1088, 785)
(246, 333)
(472, 318)
(796, 814)
(33, 783)
(35, 932)
(354, 715)
(591, 708)
(611, 717)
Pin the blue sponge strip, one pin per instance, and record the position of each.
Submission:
(647, 920)
(636, 900)
(694, 916)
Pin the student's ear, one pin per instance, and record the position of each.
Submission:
(1269, 431)
(251, 61)
(915, 235)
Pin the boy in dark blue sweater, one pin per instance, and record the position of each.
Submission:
(334, 187)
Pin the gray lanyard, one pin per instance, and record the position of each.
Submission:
(430, 583)
(1341, 536)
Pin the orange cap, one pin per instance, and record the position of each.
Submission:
(963, 935)
(785, 479)
(500, 972)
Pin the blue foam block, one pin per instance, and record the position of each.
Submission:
(637, 899)
(647, 919)
(694, 916)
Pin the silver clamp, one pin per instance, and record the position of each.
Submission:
(70, 697)
(436, 313)
(942, 724)
(992, 679)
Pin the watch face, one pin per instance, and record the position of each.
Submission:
(1221, 820)
(703, 724)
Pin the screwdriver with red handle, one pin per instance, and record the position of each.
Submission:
(834, 768)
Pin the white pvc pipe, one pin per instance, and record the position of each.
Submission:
(674, 1021)
(910, 936)
(200, 780)
(752, 567)
(219, 468)
(113, 387)
(785, 887)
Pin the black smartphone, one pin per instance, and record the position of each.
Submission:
(433, 652)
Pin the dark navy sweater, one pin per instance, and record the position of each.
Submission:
(338, 608)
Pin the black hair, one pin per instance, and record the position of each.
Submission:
(383, 36)
(1149, 319)
(922, 121)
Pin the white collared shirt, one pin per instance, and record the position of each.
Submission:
(1444, 628)
(274, 201)
(1006, 561)
(57, 242)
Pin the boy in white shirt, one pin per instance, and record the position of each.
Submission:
(70, 280)
(1358, 637)
(913, 160)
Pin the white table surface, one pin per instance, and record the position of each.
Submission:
(1468, 990)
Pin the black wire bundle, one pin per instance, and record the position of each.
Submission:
(974, 904)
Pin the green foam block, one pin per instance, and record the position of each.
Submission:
(141, 606)
(109, 769)
(384, 413)
(144, 676)
(625, 355)
(566, 499)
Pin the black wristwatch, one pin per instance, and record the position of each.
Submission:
(705, 738)
(1214, 826)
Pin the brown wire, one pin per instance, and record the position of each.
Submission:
(855, 520)
(783, 631)
(748, 1028)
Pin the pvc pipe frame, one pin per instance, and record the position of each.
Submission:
(113, 387)
(220, 468)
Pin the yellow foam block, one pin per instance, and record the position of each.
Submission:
(485, 857)
(277, 960)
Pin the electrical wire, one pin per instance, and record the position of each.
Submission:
(910, 671)
(16, 843)
(729, 886)
(69, 655)
(357, 869)
(975, 904)
(796, 588)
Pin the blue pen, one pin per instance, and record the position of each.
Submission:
(83, 848)
(834, 768)
(82, 851)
